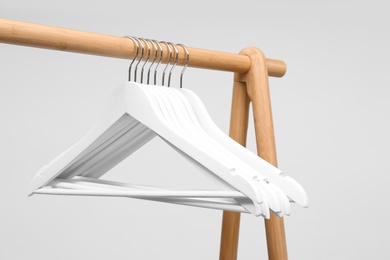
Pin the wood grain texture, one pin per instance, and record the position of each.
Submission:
(258, 90)
(48, 37)
(238, 131)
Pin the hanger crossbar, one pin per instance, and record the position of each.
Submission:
(49, 37)
(76, 187)
(137, 193)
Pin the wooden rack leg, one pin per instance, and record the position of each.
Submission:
(238, 131)
(257, 86)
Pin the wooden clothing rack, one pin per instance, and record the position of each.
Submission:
(251, 70)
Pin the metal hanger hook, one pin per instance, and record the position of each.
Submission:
(147, 59)
(174, 64)
(142, 56)
(159, 62)
(185, 66)
(169, 61)
(135, 56)
(154, 60)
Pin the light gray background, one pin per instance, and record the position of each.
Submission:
(331, 115)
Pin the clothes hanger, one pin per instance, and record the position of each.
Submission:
(115, 112)
(98, 157)
(45, 174)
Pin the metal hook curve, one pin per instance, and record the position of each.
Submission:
(159, 62)
(147, 59)
(136, 54)
(187, 61)
(174, 64)
(169, 61)
(142, 56)
(154, 60)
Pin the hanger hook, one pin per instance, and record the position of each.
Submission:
(136, 54)
(159, 62)
(154, 60)
(169, 61)
(185, 66)
(142, 56)
(147, 59)
(174, 64)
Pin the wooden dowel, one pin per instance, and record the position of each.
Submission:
(48, 37)
(238, 131)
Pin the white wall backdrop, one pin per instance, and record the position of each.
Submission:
(331, 115)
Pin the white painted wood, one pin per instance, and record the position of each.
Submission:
(135, 114)
(270, 173)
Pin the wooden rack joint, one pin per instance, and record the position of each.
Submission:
(252, 86)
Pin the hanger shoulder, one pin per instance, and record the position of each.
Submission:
(112, 112)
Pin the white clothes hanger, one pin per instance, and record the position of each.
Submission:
(137, 113)
(133, 100)
(80, 169)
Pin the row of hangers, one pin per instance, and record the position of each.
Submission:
(135, 114)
